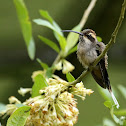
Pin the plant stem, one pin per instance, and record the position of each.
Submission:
(57, 59)
(111, 42)
(86, 13)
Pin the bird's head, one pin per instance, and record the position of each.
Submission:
(86, 35)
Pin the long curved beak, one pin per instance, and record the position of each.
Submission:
(72, 31)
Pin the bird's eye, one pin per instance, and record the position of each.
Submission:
(90, 37)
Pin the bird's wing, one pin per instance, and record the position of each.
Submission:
(99, 72)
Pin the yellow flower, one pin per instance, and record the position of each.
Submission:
(55, 106)
(58, 107)
(65, 66)
(80, 91)
(58, 66)
(23, 91)
(35, 73)
(12, 99)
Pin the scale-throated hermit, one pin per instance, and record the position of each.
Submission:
(87, 52)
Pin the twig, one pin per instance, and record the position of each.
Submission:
(57, 59)
(82, 23)
(87, 12)
(111, 42)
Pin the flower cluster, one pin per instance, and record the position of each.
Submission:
(55, 106)
(80, 91)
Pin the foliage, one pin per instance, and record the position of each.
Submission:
(47, 86)
(118, 115)
(26, 26)
(19, 117)
(52, 97)
(66, 44)
(70, 77)
(39, 83)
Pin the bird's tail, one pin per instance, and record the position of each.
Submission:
(114, 99)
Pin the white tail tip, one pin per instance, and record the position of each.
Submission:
(115, 100)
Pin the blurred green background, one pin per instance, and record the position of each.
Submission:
(16, 67)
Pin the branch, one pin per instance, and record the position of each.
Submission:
(87, 12)
(111, 42)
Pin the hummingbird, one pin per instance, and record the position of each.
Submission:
(87, 52)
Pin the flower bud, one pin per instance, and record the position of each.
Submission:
(23, 91)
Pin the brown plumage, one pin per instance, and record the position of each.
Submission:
(99, 72)
(87, 52)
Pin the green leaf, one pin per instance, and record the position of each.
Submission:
(19, 117)
(70, 77)
(58, 29)
(46, 15)
(74, 49)
(26, 26)
(40, 82)
(108, 104)
(122, 90)
(49, 72)
(62, 41)
(49, 43)
(43, 65)
(72, 38)
(120, 112)
(46, 67)
(99, 39)
(46, 24)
